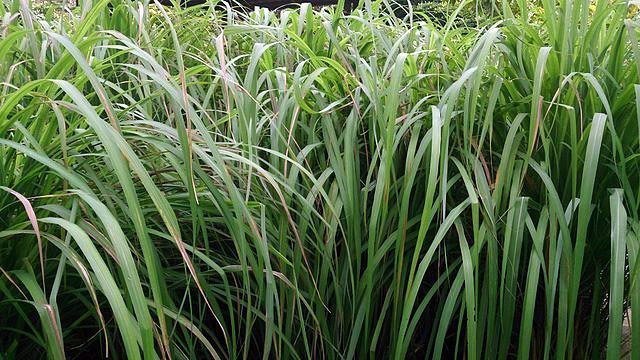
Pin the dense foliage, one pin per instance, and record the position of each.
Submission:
(194, 183)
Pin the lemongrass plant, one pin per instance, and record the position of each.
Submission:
(310, 183)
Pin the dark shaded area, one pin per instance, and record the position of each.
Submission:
(432, 10)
